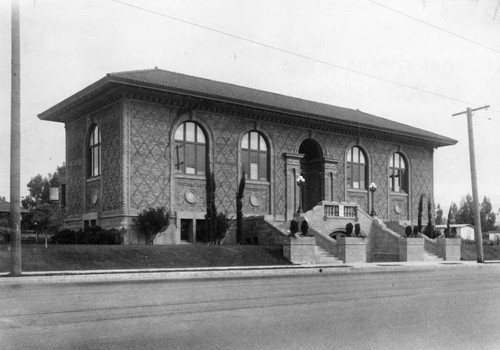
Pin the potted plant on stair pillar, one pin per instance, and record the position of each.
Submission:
(352, 247)
(411, 248)
(299, 249)
(449, 246)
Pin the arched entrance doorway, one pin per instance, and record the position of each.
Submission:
(311, 165)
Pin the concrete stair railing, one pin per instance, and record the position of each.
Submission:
(385, 243)
(430, 249)
(326, 247)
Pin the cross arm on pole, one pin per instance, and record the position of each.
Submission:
(470, 110)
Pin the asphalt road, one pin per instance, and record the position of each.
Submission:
(446, 308)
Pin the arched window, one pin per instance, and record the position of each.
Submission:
(357, 171)
(94, 160)
(190, 149)
(255, 156)
(398, 173)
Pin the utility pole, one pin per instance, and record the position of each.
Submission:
(475, 197)
(15, 145)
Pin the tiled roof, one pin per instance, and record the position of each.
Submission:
(5, 207)
(210, 89)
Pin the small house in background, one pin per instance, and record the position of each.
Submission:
(465, 231)
(493, 236)
(5, 219)
(5, 208)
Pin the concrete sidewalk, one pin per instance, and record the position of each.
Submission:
(229, 272)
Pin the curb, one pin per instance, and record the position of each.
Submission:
(47, 277)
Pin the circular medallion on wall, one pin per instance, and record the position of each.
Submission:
(94, 197)
(191, 196)
(255, 199)
(397, 209)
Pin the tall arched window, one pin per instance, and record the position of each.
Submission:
(398, 174)
(255, 156)
(356, 172)
(190, 149)
(94, 152)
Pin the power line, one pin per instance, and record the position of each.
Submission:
(436, 27)
(293, 53)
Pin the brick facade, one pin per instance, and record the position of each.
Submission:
(137, 155)
(143, 150)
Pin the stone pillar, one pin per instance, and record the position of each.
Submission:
(449, 248)
(292, 169)
(411, 249)
(299, 250)
(329, 170)
(352, 249)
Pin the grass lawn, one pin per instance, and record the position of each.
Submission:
(491, 252)
(109, 257)
(62, 257)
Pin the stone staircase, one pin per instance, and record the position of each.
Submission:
(431, 256)
(322, 256)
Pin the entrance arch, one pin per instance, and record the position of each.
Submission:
(311, 169)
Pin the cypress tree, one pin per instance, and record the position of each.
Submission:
(239, 208)
(420, 210)
(210, 217)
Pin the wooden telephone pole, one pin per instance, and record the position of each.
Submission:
(15, 146)
(475, 197)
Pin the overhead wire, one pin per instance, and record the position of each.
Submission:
(300, 55)
(436, 27)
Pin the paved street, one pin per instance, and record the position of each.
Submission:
(445, 308)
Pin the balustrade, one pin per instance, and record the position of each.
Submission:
(333, 210)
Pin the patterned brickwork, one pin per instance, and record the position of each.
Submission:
(379, 153)
(79, 191)
(359, 197)
(336, 146)
(256, 199)
(285, 141)
(75, 156)
(226, 132)
(398, 207)
(150, 164)
(93, 196)
(198, 190)
(109, 120)
(150, 126)
(421, 176)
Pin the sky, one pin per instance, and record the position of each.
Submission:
(412, 61)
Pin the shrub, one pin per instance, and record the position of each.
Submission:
(408, 231)
(211, 215)
(416, 231)
(420, 211)
(357, 230)
(239, 208)
(431, 232)
(91, 235)
(222, 225)
(66, 236)
(152, 221)
(450, 232)
(348, 229)
(5, 236)
(304, 227)
(294, 227)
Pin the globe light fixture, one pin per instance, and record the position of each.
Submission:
(373, 189)
(300, 182)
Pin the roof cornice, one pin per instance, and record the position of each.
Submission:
(101, 87)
